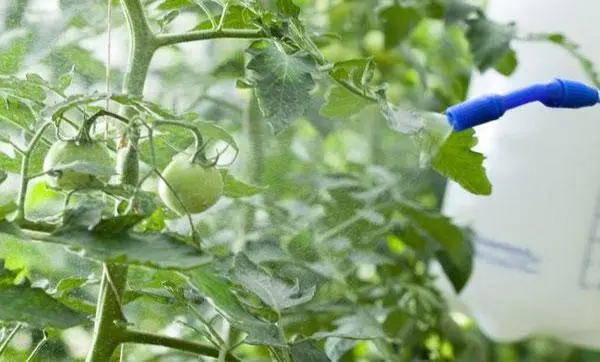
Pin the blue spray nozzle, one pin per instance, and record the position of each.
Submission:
(559, 93)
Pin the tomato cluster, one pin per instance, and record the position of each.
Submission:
(187, 185)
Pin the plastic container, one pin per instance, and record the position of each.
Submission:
(537, 265)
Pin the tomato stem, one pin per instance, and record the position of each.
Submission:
(180, 344)
(107, 334)
(24, 183)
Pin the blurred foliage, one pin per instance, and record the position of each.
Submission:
(321, 247)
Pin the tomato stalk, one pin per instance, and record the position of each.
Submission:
(24, 183)
(107, 334)
(109, 330)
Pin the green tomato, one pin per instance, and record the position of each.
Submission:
(196, 186)
(374, 42)
(64, 152)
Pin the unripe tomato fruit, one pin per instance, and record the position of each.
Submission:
(64, 152)
(374, 42)
(197, 186)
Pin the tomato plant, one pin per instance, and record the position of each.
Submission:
(253, 183)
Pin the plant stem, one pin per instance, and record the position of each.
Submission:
(171, 39)
(180, 344)
(25, 172)
(37, 348)
(9, 338)
(108, 334)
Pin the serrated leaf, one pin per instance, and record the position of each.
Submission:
(283, 83)
(159, 250)
(219, 292)
(22, 303)
(453, 248)
(353, 70)
(287, 7)
(237, 17)
(210, 130)
(341, 103)
(17, 112)
(359, 325)
(336, 347)
(86, 214)
(458, 10)
(307, 351)
(235, 188)
(457, 161)
(398, 22)
(35, 162)
(489, 41)
(273, 291)
(83, 61)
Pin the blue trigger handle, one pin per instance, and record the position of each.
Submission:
(559, 93)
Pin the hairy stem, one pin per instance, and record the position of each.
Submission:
(180, 344)
(171, 39)
(20, 216)
(9, 338)
(107, 333)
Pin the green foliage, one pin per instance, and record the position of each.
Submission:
(283, 82)
(320, 249)
(21, 302)
(456, 160)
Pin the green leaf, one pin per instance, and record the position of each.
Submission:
(220, 294)
(83, 61)
(457, 161)
(174, 4)
(341, 103)
(159, 250)
(87, 214)
(273, 291)
(359, 325)
(458, 10)
(307, 351)
(336, 348)
(65, 287)
(287, 7)
(507, 65)
(398, 22)
(489, 41)
(283, 83)
(14, 46)
(210, 130)
(22, 303)
(450, 242)
(17, 112)
(237, 17)
(235, 188)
